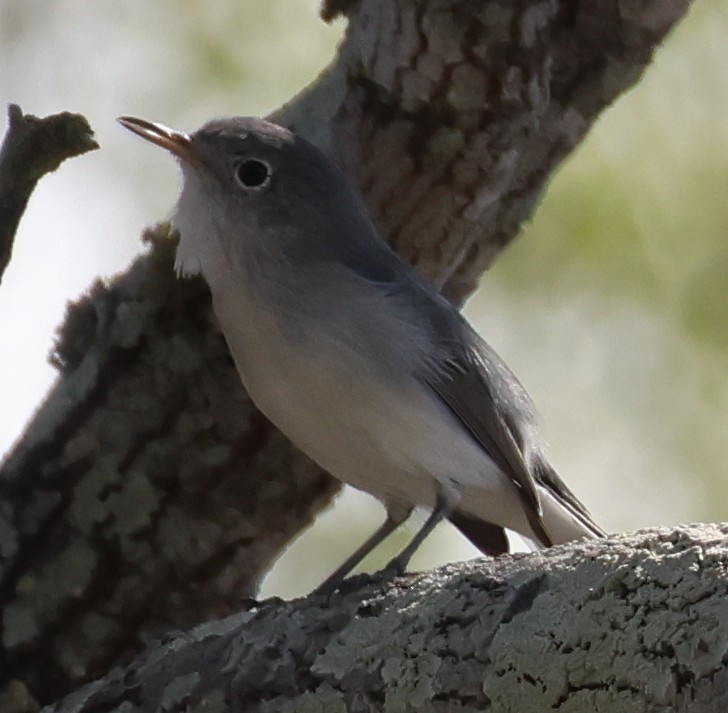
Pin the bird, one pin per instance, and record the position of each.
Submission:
(352, 354)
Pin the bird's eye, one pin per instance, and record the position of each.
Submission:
(253, 173)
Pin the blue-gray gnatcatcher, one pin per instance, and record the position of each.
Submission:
(364, 366)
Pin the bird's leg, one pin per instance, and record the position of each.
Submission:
(444, 506)
(393, 521)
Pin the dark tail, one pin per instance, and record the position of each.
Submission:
(488, 538)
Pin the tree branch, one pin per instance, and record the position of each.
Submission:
(147, 493)
(451, 116)
(634, 623)
(31, 148)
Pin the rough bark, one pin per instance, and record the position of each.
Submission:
(147, 493)
(637, 623)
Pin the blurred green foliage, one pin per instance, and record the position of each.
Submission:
(639, 211)
(631, 241)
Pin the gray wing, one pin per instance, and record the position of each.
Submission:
(462, 370)
(478, 387)
(483, 393)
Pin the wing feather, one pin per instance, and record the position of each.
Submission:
(479, 388)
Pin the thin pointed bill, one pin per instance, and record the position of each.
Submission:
(174, 141)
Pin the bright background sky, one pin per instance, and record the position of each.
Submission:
(612, 307)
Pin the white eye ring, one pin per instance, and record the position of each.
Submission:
(253, 174)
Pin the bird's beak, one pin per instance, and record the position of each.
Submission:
(175, 141)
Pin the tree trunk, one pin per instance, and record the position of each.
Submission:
(148, 493)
